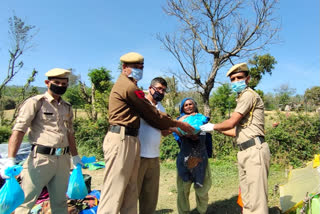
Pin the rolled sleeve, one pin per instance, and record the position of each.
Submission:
(26, 115)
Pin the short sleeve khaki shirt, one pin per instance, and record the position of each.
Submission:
(249, 126)
(48, 120)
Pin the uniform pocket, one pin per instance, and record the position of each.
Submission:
(40, 160)
(111, 145)
(49, 119)
(255, 156)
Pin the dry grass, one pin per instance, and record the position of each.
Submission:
(222, 195)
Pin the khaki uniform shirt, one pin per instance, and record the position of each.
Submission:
(127, 104)
(49, 121)
(249, 126)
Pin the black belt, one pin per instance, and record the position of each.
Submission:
(49, 150)
(128, 131)
(247, 144)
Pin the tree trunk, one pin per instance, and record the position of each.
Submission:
(206, 106)
(93, 98)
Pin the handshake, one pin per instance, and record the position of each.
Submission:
(208, 127)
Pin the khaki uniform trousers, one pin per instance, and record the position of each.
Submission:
(45, 170)
(122, 156)
(253, 167)
(202, 196)
(148, 184)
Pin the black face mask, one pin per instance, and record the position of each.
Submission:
(60, 90)
(157, 96)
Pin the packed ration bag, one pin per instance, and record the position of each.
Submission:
(77, 188)
(11, 194)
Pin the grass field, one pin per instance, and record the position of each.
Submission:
(224, 191)
(222, 195)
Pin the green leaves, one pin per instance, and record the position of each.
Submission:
(261, 65)
(101, 78)
(169, 148)
(223, 100)
(296, 139)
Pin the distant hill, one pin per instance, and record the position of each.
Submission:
(12, 95)
(12, 88)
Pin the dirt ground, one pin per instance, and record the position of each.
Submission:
(222, 195)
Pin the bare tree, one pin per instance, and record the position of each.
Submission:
(20, 35)
(213, 33)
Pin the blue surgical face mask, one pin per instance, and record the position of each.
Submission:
(238, 86)
(136, 73)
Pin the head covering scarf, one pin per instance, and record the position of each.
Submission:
(182, 113)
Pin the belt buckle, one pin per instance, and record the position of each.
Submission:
(58, 151)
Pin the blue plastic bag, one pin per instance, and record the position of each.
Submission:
(92, 210)
(77, 188)
(11, 194)
(86, 159)
(195, 121)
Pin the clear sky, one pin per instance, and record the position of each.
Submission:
(83, 35)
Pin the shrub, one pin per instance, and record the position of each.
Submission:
(5, 133)
(295, 139)
(9, 103)
(169, 148)
(89, 136)
(224, 147)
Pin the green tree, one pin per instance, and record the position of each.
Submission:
(260, 66)
(213, 33)
(73, 94)
(312, 95)
(270, 102)
(283, 94)
(96, 97)
(223, 100)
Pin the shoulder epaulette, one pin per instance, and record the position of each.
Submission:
(37, 97)
(69, 104)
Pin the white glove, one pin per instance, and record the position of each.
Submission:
(8, 162)
(209, 127)
(76, 160)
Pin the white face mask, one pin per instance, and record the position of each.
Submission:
(136, 73)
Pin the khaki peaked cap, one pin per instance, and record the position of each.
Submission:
(132, 57)
(237, 68)
(58, 73)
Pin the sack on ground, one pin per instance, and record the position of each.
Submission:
(77, 188)
(11, 194)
